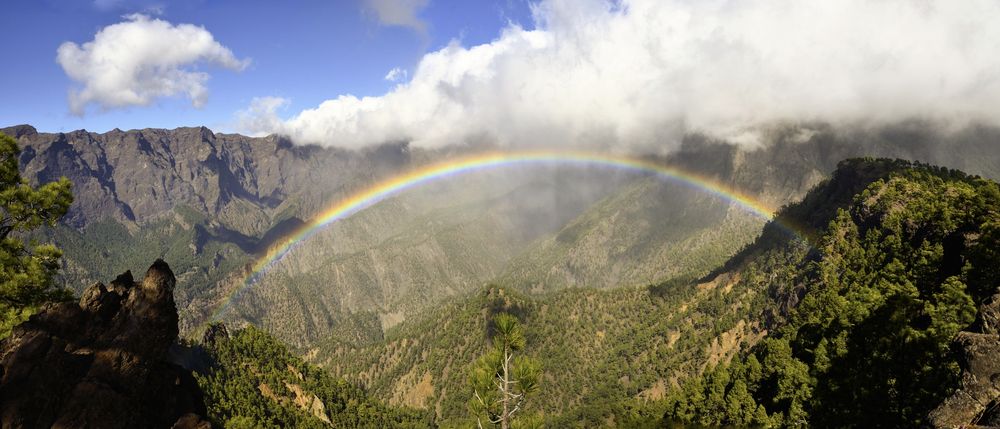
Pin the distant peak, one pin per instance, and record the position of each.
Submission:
(17, 131)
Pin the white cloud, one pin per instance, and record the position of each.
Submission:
(400, 13)
(134, 62)
(395, 74)
(635, 72)
(261, 117)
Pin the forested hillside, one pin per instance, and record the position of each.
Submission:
(376, 295)
(646, 232)
(621, 356)
(871, 341)
(250, 380)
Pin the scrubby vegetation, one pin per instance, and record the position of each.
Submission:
(253, 381)
(899, 273)
(608, 356)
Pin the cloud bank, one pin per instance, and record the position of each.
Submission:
(133, 63)
(635, 73)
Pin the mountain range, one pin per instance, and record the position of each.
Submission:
(651, 282)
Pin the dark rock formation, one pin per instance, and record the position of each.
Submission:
(101, 362)
(977, 403)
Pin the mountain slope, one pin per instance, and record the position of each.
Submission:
(233, 196)
(397, 258)
(646, 232)
(211, 201)
(655, 232)
(251, 380)
(868, 337)
(612, 356)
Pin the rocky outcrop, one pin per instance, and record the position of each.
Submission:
(977, 403)
(101, 362)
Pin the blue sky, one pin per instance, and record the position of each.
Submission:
(303, 51)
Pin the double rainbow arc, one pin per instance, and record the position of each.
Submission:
(394, 185)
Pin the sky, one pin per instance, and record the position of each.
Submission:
(619, 74)
(301, 51)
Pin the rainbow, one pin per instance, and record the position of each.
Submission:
(394, 185)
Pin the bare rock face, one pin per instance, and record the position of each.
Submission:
(101, 362)
(977, 403)
(138, 176)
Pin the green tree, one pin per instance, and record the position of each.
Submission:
(502, 380)
(27, 269)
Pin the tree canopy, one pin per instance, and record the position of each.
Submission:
(27, 269)
(253, 381)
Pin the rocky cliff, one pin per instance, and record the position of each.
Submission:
(137, 176)
(100, 362)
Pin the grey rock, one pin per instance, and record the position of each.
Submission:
(137, 176)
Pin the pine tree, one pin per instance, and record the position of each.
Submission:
(27, 270)
(501, 379)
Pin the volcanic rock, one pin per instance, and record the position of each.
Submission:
(977, 403)
(101, 362)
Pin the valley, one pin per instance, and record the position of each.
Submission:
(628, 286)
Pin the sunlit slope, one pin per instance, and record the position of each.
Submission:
(250, 379)
(402, 255)
(650, 230)
(610, 356)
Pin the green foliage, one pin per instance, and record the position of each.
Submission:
(254, 382)
(900, 274)
(27, 269)
(502, 379)
(606, 354)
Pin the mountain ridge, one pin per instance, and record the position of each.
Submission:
(243, 192)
